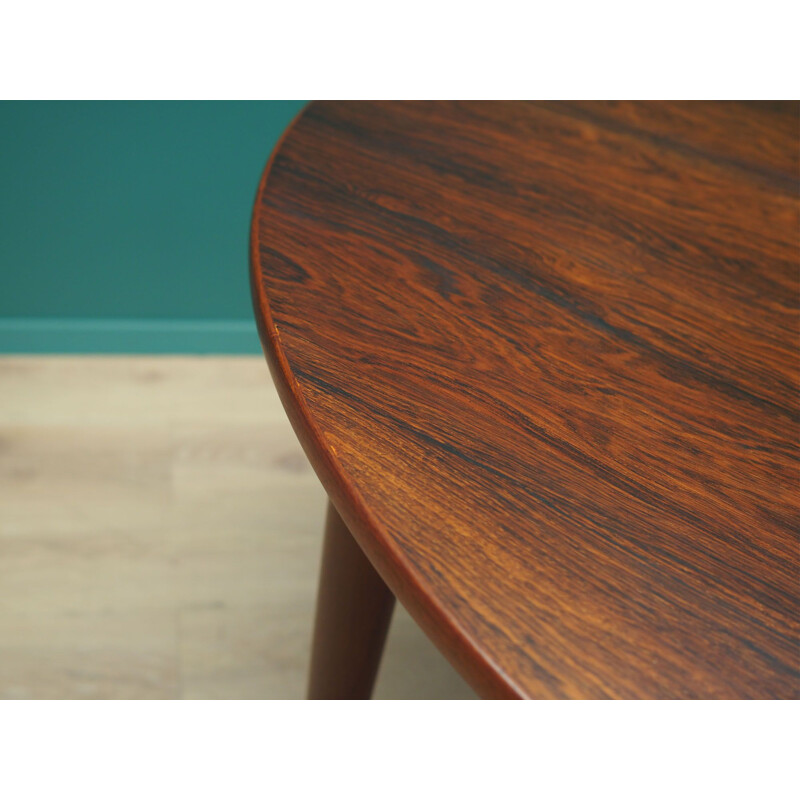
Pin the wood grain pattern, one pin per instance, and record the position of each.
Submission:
(544, 360)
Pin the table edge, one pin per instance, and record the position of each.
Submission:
(475, 666)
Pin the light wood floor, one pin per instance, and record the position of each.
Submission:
(160, 532)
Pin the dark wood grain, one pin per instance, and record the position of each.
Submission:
(544, 358)
(354, 608)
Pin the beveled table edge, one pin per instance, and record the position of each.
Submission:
(475, 666)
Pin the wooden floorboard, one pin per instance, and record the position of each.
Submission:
(160, 531)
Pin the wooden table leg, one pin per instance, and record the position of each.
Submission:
(354, 608)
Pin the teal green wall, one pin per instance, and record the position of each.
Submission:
(124, 225)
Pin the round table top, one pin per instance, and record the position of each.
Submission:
(544, 358)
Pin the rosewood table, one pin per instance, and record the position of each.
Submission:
(544, 359)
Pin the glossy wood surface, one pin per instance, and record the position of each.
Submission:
(544, 358)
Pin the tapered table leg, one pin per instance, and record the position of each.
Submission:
(354, 608)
